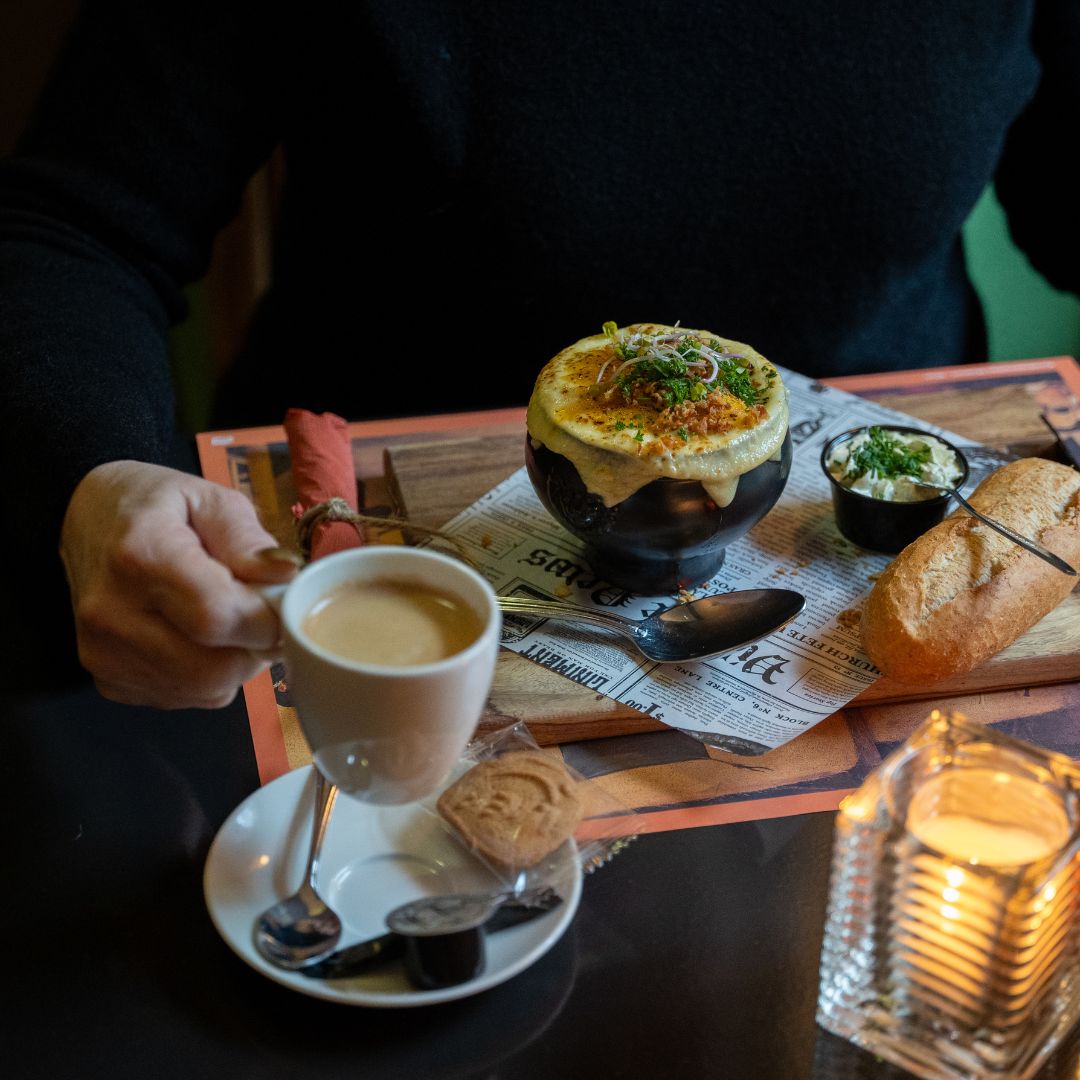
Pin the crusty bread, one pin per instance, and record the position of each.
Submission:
(962, 592)
(515, 809)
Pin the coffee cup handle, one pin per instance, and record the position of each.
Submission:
(272, 596)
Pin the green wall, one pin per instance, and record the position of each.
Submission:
(192, 366)
(1025, 316)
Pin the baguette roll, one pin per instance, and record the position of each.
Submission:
(962, 592)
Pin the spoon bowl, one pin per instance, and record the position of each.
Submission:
(705, 627)
(300, 929)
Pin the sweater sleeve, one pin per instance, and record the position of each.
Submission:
(1034, 182)
(154, 118)
(153, 121)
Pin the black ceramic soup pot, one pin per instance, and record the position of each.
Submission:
(879, 524)
(669, 535)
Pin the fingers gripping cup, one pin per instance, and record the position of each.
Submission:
(389, 655)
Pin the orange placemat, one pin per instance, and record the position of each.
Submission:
(668, 779)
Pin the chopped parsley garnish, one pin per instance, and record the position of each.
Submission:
(668, 369)
(738, 380)
(884, 455)
(670, 379)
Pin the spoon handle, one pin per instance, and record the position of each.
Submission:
(1015, 537)
(325, 797)
(555, 609)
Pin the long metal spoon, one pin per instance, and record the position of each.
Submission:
(301, 930)
(708, 626)
(1015, 537)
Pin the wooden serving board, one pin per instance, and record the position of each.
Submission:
(431, 482)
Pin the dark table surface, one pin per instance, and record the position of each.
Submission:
(693, 953)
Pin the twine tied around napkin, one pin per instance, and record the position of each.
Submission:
(309, 520)
(322, 464)
(339, 510)
(326, 513)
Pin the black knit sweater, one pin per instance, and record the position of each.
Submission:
(473, 185)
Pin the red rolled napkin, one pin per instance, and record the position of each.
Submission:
(323, 472)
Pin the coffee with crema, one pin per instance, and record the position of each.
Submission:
(389, 725)
(391, 623)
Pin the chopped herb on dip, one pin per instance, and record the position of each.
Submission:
(881, 463)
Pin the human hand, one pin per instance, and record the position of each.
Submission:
(157, 562)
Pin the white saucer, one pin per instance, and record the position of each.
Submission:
(374, 858)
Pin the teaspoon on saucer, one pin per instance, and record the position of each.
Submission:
(300, 929)
(1024, 541)
(707, 626)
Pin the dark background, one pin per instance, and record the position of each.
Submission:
(1026, 317)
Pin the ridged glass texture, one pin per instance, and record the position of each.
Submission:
(952, 935)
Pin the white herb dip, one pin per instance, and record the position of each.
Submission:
(941, 466)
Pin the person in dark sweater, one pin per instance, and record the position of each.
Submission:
(470, 187)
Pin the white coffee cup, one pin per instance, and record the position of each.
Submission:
(382, 733)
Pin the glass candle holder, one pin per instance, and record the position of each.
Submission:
(952, 936)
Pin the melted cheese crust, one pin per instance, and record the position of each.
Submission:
(618, 449)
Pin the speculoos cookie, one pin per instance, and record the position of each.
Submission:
(514, 809)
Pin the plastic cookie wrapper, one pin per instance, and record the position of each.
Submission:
(492, 820)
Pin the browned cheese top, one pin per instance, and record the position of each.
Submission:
(649, 400)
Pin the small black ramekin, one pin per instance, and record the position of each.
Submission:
(880, 524)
